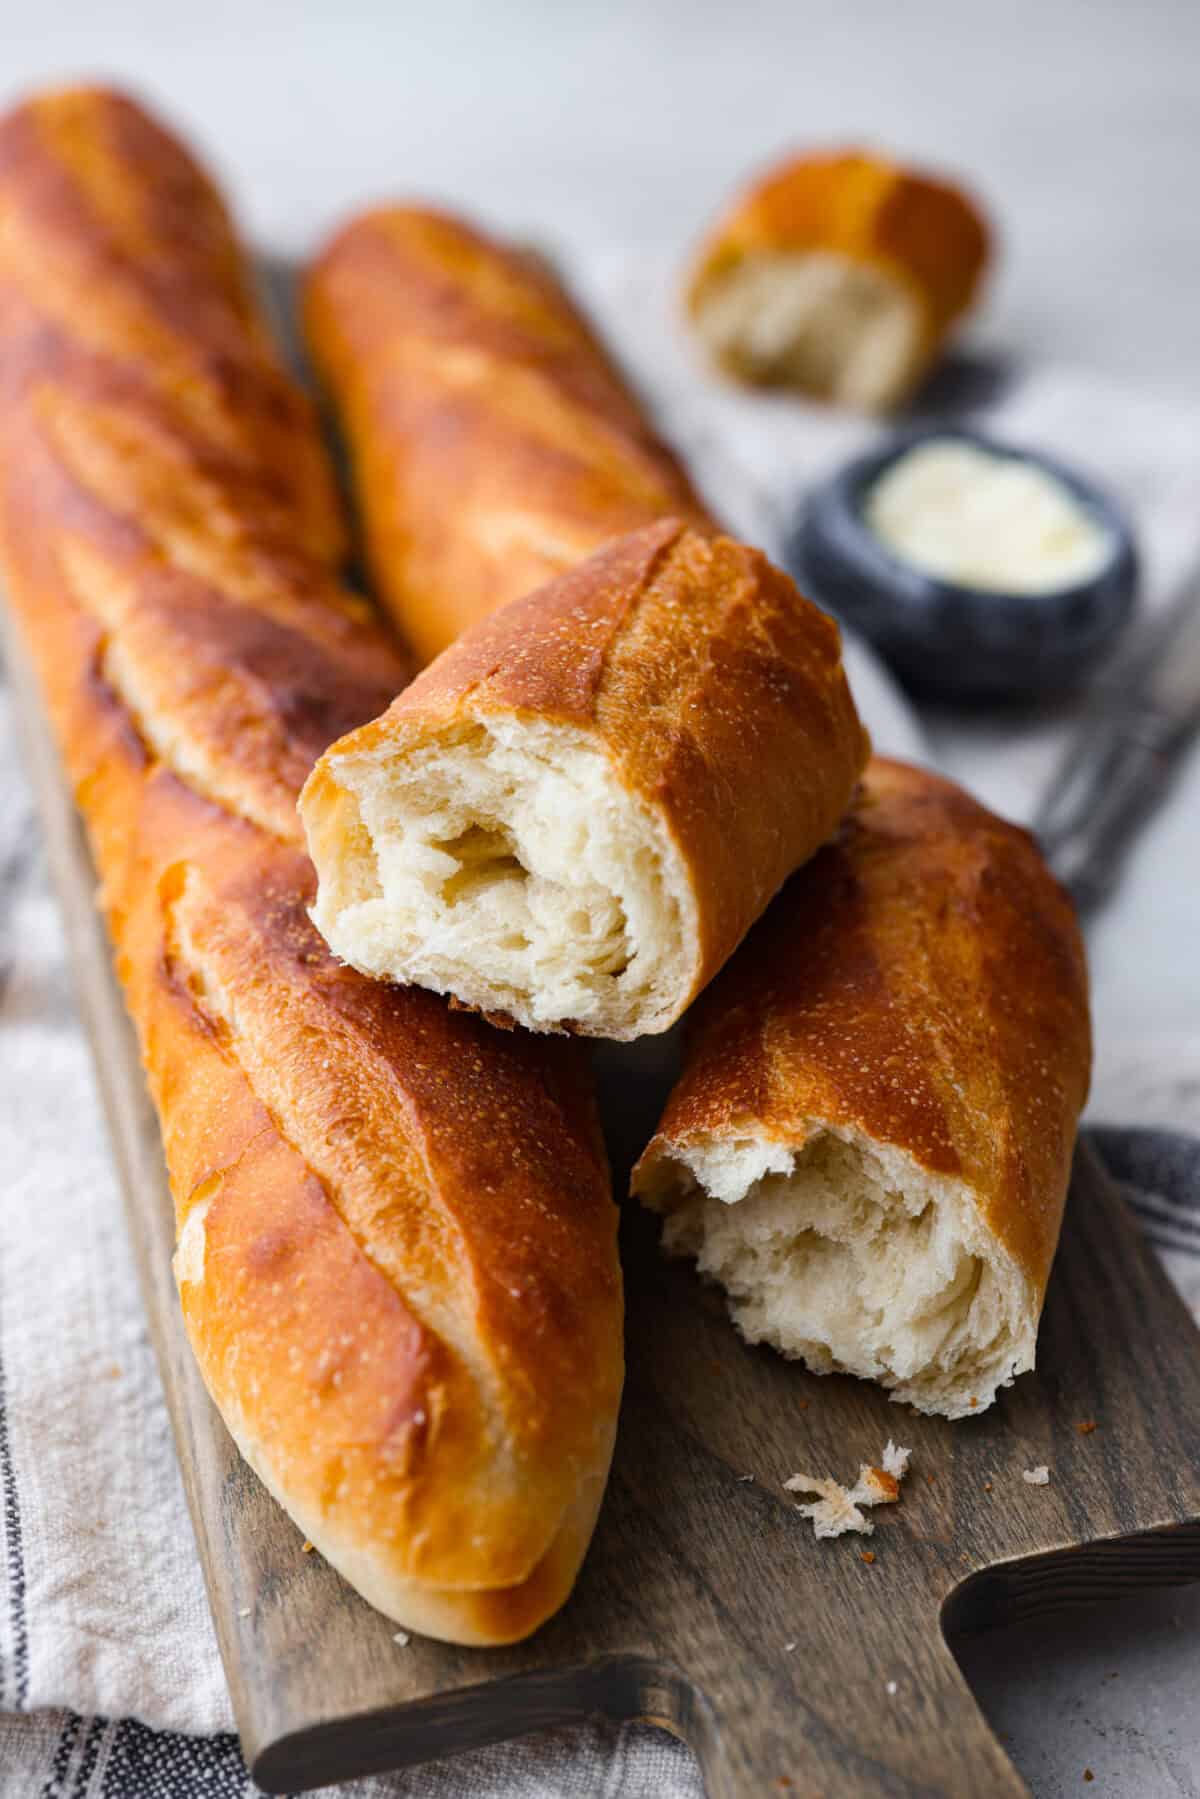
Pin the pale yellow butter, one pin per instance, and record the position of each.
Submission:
(980, 519)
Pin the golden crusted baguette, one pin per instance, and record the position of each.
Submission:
(573, 816)
(458, 365)
(871, 1139)
(397, 1254)
(839, 275)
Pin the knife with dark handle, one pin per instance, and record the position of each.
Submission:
(1122, 761)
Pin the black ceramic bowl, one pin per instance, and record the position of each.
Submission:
(941, 638)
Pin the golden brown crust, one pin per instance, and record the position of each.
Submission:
(134, 259)
(397, 1248)
(923, 982)
(922, 233)
(714, 689)
(458, 365)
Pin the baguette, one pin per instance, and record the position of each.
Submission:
(396, 1243)
(572, 817)
(455, 364)
(838, 275)
(870, 1141)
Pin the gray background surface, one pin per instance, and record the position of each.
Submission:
(594, 124)
(625, 120)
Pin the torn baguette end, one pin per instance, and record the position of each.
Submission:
(850, 1257)
(838, 275)
(573, 816)
(816, 322)
(503, 862)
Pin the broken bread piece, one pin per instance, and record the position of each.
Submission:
(572, 817)
(838, 275)
(870, 1143)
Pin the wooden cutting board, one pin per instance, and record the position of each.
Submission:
(705, 1604)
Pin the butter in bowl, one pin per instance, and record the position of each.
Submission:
(977, 569)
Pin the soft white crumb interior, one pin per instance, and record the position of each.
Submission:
(509, 866)
(852, 1258)
(814, 320)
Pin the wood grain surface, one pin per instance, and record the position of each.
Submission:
(706, 1605)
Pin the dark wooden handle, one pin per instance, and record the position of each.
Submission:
(929, 1737)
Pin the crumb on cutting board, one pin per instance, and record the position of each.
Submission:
(1036, 1477)
(403, 1637)
(838, 1509)
(1086, 1426)
(896, 1460)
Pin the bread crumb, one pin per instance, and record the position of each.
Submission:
(974, 1402)
(244, 1612)
(868, 1555)
(930, 1480)
(838, 1509)
(745, 1477)
(987, 1486)
(402, 1637)
(788, 1647)
(833, 1512)
(802, 1405)
(1036, 1477)
(875, 1486)
(1088, 1775)
(1086, 1426)
(306, 1548)
(896, 1460)
(892, 1689)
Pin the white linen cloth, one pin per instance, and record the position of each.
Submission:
(110, 1685)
